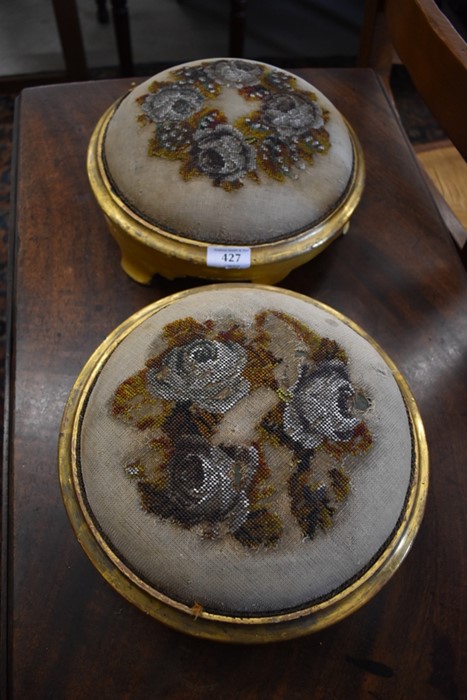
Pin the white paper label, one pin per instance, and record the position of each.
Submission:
(228, 257)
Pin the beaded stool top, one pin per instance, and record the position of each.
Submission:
(245, 450)
(228, 151)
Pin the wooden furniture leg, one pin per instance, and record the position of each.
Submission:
(102, 12)
(237, 27)
(69, 29)
(122, 35)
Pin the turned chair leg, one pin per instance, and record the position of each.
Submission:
(237, 27)
(102, 12)
(122, 35)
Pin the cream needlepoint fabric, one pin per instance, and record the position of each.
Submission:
(245, 450)
(229, 151)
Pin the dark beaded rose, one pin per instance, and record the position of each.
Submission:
(222, 153)
(205, 484)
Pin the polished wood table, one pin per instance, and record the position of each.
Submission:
(66, 633)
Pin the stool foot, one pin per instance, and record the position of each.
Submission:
(136, 271)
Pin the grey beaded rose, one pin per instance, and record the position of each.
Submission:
(321, 406)
(291, 114)
(206, 484)
(234, 73)
(222, 153)
(205, 372)
(172, 103)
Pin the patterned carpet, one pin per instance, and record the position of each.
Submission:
(418, 122)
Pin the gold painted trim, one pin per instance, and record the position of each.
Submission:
(209, 625)
(148, 249)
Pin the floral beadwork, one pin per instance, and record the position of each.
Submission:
(320, 405)
(242, 422)
(234, 73)
(292, 115)
(206, 372)
(172, 103)
(222, 154)
(204, 484)
(278, 138)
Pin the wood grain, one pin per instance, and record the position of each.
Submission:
(397, 274)
(433, 52)
(448, 172)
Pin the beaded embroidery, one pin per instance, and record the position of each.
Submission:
(249, 428)
(280, 136)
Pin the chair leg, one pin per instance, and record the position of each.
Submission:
(122, 35)
(71, 39)
(237, 27)
(102, 12)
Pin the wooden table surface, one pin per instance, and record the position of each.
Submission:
(66, 633)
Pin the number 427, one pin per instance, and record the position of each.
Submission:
(231, 257)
